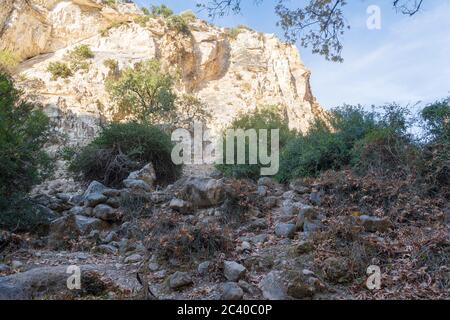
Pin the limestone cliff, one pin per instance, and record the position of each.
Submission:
(230, 73)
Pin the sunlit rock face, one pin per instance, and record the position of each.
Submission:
(230, 75)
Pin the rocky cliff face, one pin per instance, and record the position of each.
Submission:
(229, 74)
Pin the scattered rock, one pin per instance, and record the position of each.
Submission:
(233, 271)
(285, 230)
(266, 182)
(231, 291)
(303, 247)
(4, 268)
(94, 187)
(153, 266)
(262, 191)
(299, 187)
(273, 287)
(179, 280)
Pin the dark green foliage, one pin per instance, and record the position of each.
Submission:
(367, 140)
(125, 147)
(23, 133)
(263, 118)
(23, 163)
(436, 118)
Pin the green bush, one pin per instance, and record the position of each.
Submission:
(59, 70)
(179, 24)
(263, 118)
(122, 148)
(23, 163)
(8, 61)
(354, 137)
(161, 11)
(142, 20)
(24, 131)
(78, 57)
(436, 118)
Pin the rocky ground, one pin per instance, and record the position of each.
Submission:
(219, 238)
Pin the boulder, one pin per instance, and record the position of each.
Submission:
(179, 280)
(202, 192)
(71, 227)
(233, 271)
(285, 230)
(137, 185)
(136, 257)
(105, 213)
(94, 199)
(38, 283)
(288, 284)
(231, 291)
(94, 187)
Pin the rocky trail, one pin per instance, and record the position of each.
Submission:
(206, 238)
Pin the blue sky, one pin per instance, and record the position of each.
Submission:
(407, 61)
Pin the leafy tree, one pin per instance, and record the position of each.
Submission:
(318, 24)
(144, 93)
(23, 133)
(437, 120)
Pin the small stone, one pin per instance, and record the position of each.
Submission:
(133, 258)
(153, 266)
(266, 182)
(111, 193)
(203, 268)
(113, 202)
(303, 247)
(286, 230)
(316, 197)
(180, 205)
(231, 291)
(260, 238)
(245, 246)
(262, 191)
(234, 271)
(179, 280)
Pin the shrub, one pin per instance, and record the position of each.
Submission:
(161, 11)
(354, 137)
(263, 118)
(179, 24)
(24, 131)
(23, 163)
(59, 70)
(142, 20)
(145, 11)
(233, 33)
(308, 155)
(188, 16)
(144, 93)
(8, 61)
(436, 118)
(122, 148)
(78, 57)
(189, 109)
